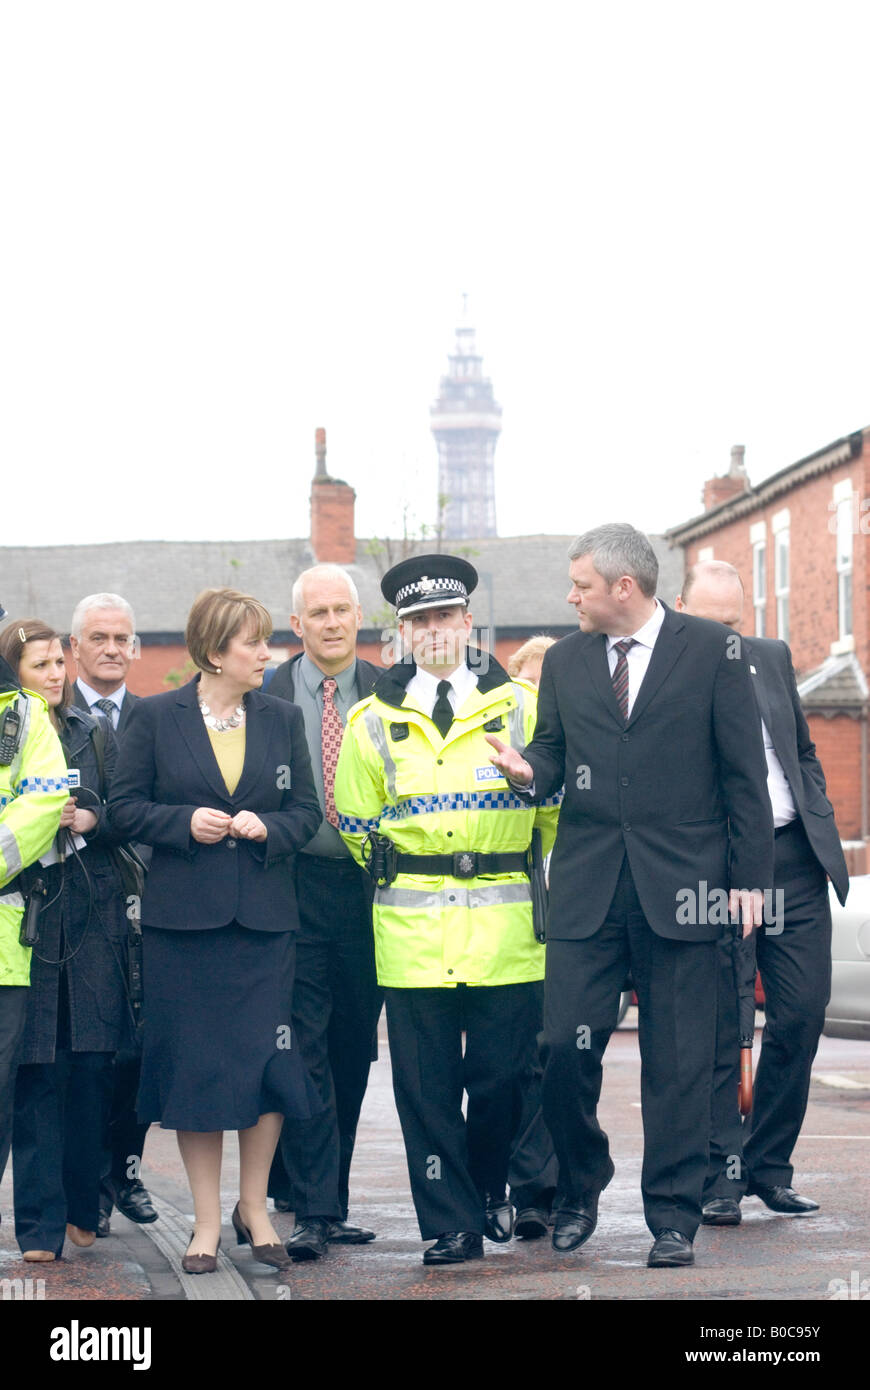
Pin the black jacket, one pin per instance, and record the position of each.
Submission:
(779, 705)
(166, 769)
(86, 920)
(128, 704)
(663, 788)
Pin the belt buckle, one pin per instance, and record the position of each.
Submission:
(465, 864)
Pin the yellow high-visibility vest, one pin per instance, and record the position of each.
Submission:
(33, 792)
(398, 777)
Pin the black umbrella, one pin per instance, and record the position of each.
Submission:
(743, 960)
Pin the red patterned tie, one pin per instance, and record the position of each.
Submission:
(620, 674)
(330, 746)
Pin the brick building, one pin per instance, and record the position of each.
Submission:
(799, 540)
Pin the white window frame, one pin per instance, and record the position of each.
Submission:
(759, 585)
(758, 543)
(781, 587)
(845, 555)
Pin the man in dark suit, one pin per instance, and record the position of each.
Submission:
(336, 1000)
(103, 643)
(642, 716)
(793, 952)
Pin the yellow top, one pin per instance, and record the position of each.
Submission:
(229, 749)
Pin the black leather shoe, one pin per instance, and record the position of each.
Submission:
(499, 1224)
(574, 1225)
(342, 1234)
(531, 1223)
(454, 1248)
(104, 1219)
(282, 1203)
(721, 1211)
(309, 1240)
(782, 1199)
(135, 1203)
(672, 1248)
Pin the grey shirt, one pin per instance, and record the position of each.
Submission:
(308, 695)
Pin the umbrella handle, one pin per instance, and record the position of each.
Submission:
(745, 1092)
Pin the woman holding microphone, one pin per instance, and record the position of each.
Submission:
(216, 777)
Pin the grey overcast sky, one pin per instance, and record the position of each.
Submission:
(226, 224)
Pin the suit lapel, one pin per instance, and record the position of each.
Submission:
(193, 731)
(759, 689)
(259, 729)
(669, 647)
(595, 654)
(126, 705)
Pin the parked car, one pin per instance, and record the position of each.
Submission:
(848, 1013)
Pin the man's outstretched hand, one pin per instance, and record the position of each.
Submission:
(510, 762)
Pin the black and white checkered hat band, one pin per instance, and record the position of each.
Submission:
(425, 592)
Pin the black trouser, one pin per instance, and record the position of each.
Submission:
(336, 1003)
(454, 1163)
(125, 1135)
(676, 985)
(13, 1014)
(795, 966)
(534, 1172)
(58, 1156)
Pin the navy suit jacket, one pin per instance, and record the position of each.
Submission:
(779, 705)
(679, 788)
(166, 770)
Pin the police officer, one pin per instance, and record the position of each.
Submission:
(446, 841)
(33, 793)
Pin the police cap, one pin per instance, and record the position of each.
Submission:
(428, 581)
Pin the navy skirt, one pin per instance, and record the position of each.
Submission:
(218, 1051)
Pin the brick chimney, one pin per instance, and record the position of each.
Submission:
(332, 512)
(718, 490)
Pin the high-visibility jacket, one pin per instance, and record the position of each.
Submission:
(33, 792)
(398, 777)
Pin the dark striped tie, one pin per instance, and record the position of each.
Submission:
(108, 707)
(620, 674)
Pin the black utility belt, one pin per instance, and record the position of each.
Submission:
(462, 864)
(383, 862)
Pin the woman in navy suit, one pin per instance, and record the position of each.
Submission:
(217, 778)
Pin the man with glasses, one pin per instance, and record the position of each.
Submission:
(103, 642)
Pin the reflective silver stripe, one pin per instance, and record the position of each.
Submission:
(11, 900)
(517, 719)
(10, 851)
(493, 895)
(378, 736)
(24, 704)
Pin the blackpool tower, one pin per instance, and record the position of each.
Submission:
(466, 422)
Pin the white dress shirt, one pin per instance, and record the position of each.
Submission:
(778, 789)
(423, 688)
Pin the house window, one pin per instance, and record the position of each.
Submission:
(844, 566)
(759, 585)
(781, 581)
